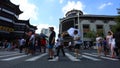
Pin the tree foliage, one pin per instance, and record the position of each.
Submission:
(117, 26)
(90, 34)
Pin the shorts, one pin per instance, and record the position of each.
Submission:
(31, 47)
(50, 46)
(98, 44)
(77, 46)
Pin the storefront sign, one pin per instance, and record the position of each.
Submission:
(5, 28)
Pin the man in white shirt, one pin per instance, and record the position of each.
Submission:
(22, 43)
(77, 42)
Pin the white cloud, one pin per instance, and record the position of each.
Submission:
(72, 5)
(104, 5)
(41, 26)
(61, 1)
(15, 2)
(29, 9)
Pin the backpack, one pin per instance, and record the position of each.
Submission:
(43, 41)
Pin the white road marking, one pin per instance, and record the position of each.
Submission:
(6, 52)
(91, 58)
(102, 57)
(13, 58)
(11, 55)
(72, 58)
(101, 54)
(36, 57)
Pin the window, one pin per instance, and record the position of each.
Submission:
(86, 28)
(111, 26)
(76, 26)
(99, 26)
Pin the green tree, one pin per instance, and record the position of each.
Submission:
(117, 26)
(100, 32)
(90, 34)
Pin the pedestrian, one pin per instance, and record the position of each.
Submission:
(71, 46)
(26, 46)
(109, 39)
(99, 44)
(39, 44)
(51, 42)
(105, 47)
(60, 45)
(43, 43)
(77, 43)
(5, 44)
(22, 43)
(9, 46)
(32, 43)
(1, 44)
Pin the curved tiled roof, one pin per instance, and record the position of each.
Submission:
(13, 6)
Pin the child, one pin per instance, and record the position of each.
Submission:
(105, 46)
(59, 45)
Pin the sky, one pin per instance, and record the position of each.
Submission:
(46, 13)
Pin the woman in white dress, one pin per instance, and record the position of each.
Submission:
(109, 40)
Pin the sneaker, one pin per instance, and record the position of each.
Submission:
(54, 59)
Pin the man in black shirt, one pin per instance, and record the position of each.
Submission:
(51, 43)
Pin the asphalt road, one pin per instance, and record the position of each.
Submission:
(89, 59)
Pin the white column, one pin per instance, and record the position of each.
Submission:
(80, 27)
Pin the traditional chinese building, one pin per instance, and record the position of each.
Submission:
(10, 26)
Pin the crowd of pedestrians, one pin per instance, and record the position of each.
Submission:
(108, 45)
(8, 45)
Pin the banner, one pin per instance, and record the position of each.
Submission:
(8, 29)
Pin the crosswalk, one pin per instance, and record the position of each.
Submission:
(36, 57)
(71, 56)
(102, 57)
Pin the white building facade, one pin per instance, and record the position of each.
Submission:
(86, 23)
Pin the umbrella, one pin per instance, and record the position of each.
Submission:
(42, 35)
(71, 31)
